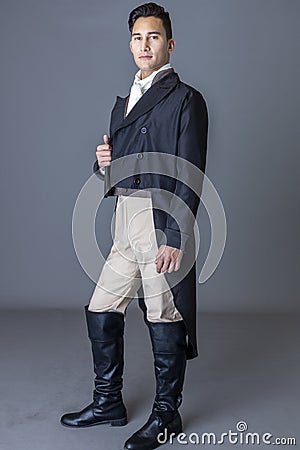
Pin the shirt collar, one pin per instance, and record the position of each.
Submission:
(148, 80)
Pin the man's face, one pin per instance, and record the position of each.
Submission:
(149, 45)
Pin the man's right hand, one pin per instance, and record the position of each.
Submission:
(103, 153)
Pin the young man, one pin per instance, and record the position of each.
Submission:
(153, 252)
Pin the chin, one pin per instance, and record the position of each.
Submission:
(145, 65)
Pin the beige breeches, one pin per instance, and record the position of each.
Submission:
(131, 264)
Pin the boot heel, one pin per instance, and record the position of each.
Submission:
(176, 426)
(118, 422)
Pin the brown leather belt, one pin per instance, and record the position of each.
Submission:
(133, 192)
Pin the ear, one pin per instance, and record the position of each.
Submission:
(130, 46)
(171, 45)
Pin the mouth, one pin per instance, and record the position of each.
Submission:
(145, 57)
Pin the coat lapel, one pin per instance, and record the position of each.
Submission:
(118, 113)
(152, 96)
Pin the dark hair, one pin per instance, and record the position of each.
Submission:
(151, 9)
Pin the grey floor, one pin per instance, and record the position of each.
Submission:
(247, 370)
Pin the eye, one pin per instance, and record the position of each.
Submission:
(136, 38)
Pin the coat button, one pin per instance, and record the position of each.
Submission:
(144, 130)
(139, 155)
(137, 181)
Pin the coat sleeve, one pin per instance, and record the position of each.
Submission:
(192, 146)
(99, 171)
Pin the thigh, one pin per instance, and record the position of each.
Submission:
(117, 284)
(120, 276)
(158, 296)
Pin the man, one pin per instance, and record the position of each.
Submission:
(153, 250)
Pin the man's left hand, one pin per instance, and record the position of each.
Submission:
(168, 259)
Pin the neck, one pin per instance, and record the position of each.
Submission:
(146, 73)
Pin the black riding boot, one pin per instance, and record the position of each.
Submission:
(106, 331)
(169, 350)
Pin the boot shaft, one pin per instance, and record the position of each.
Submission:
(169, 350)
(106, 333)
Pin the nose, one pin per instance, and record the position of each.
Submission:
(144, 45)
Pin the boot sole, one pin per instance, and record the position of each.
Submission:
(112, 423)
(151, 447)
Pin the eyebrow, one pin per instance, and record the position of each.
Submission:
(150, 32)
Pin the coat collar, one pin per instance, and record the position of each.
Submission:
(159, 89)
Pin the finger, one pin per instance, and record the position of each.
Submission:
(172, 262)
(159, 265)
(105, 158)
(177, 265)
(178, 261)
(104, 148)
(166, 264)
(158, 256)
(171, 267)
(159, 260)
(105, 139)
(160, 252)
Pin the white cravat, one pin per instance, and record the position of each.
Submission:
(138, 88)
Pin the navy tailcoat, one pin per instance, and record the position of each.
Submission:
(169, 119)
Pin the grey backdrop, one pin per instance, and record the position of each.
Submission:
(62, 64)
